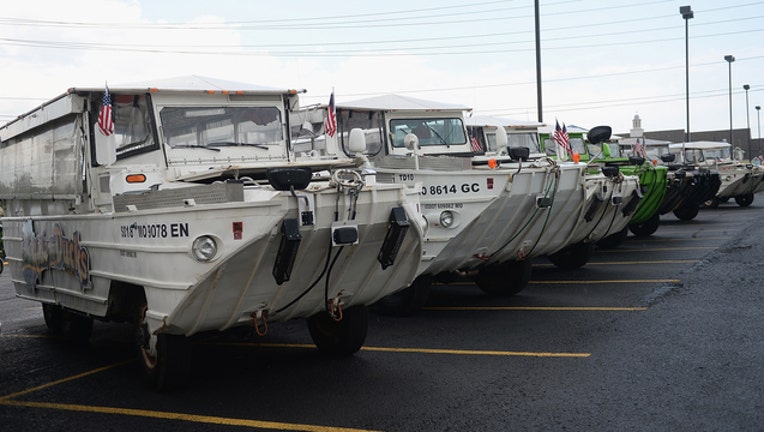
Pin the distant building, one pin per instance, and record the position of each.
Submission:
(740, 137)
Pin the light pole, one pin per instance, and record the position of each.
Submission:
(758, 118)
(730, 59)
(746, 87)
(687, 14)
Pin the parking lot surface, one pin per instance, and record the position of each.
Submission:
(660, 333)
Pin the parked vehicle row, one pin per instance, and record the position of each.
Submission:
(195, 205)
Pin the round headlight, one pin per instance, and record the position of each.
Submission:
(204, 248)
(446, 219)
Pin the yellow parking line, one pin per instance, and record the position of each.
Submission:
(688, 248)
(644, 262)
(194, 418)
(536, 308)
(4, 399)
(610, 281)
(415, 350)
(476, 352)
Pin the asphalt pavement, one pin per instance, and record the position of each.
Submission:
(661, 334)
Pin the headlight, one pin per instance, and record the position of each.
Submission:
(446, 219)
(204, 248)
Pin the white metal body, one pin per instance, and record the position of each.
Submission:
(76, 228)
(737, 178)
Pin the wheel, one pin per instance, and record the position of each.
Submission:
(573, 256)
(686, 213)
(77, 328)
(614, 240)
(407, 301)
(54, 318)
(73, 327)
(505, 279)
(2, 266)
(712, 203)
(744, 200)
(340, 338)
(646, 228)
(169, 366)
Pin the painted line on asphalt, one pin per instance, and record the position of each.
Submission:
(643, 262)
(537, 308)
(688, 248)
(193, 418)
(35, 336)
(608, 281)
(415, 350)
(5, 398)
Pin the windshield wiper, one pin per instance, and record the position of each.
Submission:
(235, 144)
(194, 147)
(442, 140)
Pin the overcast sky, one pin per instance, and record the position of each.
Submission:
(602, 62)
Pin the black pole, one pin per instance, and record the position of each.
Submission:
(687, 74)
(538, 64)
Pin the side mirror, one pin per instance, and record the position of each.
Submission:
(668, 157)
(411, 141)
(599, 134)
(357, 140)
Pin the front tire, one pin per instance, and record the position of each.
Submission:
(170, 366)
(504, 279)
(687, 213)
(573, 256)
(744, 200)
(340, 338)
(646, 228)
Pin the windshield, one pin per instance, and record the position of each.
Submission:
(430, 131)
(221, 126)
(526, 139)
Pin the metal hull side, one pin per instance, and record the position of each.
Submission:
(152, 249)
(738, 180)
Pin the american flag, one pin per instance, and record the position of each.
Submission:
(639, 149)
(331, 117)
(476, 147)
(561, 137)
(105, 120)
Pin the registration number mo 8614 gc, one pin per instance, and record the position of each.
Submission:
(450, 189)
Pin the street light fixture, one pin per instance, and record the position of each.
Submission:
(730, 59)
(687, 14)
(747, 87)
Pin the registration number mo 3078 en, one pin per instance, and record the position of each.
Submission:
(447, 189)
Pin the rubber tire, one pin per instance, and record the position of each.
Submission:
(54, 318)
(504, 279)
(171, 367)
(744, 200)
(407, 301)
(573, 256)
(686, 213)
(646, 228)
(2, 266)
(340, 338)
(73, 327)
(614, 240)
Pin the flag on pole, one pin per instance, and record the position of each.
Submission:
(475, 145)
(639, 149)
(105, 121)
(561, 137)
(330, 125)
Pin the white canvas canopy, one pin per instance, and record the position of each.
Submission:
(394, 102)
